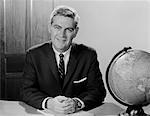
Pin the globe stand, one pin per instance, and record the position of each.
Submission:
(136, 111)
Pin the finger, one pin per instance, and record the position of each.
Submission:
(68, 107)
(65, 107)
(70, 102)
(65, 110)
(61, 98)
(70, 110)
(61, 105)
(60, 110)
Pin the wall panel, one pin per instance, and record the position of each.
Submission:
(1, 40)
(40, 13)
(15, 26)
(23, 23)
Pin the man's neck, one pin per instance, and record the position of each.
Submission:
(61, 51)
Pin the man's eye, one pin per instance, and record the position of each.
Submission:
(70, 29)
(57, 27)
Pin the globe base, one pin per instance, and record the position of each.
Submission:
(136, 111)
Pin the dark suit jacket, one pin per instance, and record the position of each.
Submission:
(41, 77)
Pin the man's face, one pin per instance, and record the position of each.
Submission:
(62, 32)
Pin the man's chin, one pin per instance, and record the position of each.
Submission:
(64, 49)
(60, 49)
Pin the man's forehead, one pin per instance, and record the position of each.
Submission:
(63, 21)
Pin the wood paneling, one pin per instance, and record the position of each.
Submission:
(14, 64)
(12, 86)
(23, 23)
(40, 13)
(15, 11)
(28, 25)
(1, 40)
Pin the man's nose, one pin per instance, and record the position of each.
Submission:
(63, 33)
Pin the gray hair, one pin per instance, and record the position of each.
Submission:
(65, 11)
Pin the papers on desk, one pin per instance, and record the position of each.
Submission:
(45, 113)
(51, 113)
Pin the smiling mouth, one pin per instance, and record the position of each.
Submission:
(62, 40)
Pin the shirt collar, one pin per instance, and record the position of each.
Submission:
(64, 53)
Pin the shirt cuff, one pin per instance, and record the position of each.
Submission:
(44, 102)
(82, 103)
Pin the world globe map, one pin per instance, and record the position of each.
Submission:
(128, 77)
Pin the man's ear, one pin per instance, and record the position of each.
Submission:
(49, 27)
(76, 31)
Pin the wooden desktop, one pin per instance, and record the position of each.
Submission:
(18, 108)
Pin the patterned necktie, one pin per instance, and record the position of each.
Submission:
(61, 67)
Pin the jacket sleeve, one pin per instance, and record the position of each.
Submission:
(95, 91)
(30, 91)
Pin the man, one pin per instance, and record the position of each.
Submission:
(63, 83)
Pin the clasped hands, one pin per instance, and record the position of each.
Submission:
(61, 104)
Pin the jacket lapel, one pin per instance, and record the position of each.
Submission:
(52, 61)
(53, 64)
(71, 66)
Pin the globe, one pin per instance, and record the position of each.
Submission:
(128, 78)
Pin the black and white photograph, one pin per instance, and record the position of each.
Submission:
(74, 57)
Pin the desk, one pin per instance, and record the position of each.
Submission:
(17, 108)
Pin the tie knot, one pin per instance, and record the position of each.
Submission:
(61, 56)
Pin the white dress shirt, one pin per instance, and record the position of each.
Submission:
(66, 57)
